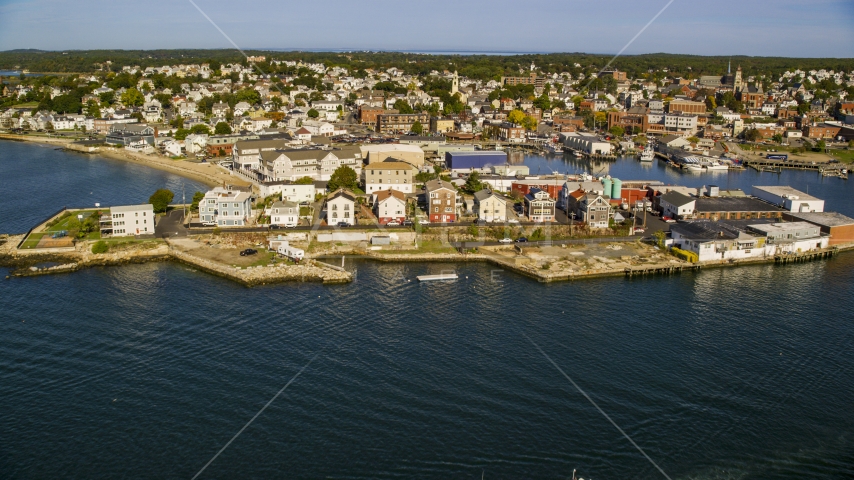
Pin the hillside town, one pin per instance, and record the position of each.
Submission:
(335, 148)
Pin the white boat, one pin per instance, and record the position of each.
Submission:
(442, 276)
(552, 147)
(647, 155)
(692, 167)
(715, 166)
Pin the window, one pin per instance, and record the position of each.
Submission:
(334, 206)
(346, 206)
(436, 209)
(334, 214)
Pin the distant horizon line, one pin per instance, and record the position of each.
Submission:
(461, 52)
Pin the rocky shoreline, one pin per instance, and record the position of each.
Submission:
(28, 263)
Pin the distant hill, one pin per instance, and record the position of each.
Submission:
(481, 67)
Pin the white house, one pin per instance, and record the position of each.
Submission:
(677, 205)
(174, 148)
(317, 127)
(225, 208)
(341, 207)
(196, 143)
(489, 206)
(129, 220)
(284, 214)
(389, 205)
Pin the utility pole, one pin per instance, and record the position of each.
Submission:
(184, 201)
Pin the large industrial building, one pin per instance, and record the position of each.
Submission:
(480, 160)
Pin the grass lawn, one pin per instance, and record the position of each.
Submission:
(26, 105)
(846, 156)
(429, 246)
(32, 240)
(63, 224)
(264, 258)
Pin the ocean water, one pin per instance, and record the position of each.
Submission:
(38, 180)
(149, 370)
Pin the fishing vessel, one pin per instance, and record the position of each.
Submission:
(555, 148)
(647, 155)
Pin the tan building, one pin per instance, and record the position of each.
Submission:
(400, 122)
(441, 125)
(687, 106)
(389, 175)
(411, 154)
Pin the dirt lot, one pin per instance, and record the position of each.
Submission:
(224, 254)
(48, 242)
(596, 257)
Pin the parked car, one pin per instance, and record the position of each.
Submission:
(506, 240)
(639, 230)
(407, 223)
(521, 240)
(343, 224)
(247, 252)
(512, 220)
(393, 223)
(668, 220)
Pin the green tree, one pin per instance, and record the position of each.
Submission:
(617, 131)
(820, 145)
(197, 198)
(248, 95)
(222, 128)
(693, 139)
(181, 134)
(177, 122)
(200, 129)
(777, 138)
(403, 106)
(342, 177)
(160, 199)
(107, 97)
(417, 128)
(93, 110)
(752, 135)
(312, 113)
(473, 183)
(304, 181)
(711, 104)
(132, 98)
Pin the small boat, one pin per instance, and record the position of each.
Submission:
(552, 148)
(716, 166)
(647, 155)
(694, 167)
(440, 277)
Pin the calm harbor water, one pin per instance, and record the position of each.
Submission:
(148, 370)
(38, 180)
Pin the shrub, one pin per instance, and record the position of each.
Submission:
(100, 247)
(684, 255)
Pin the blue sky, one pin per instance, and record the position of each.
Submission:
(808, 28)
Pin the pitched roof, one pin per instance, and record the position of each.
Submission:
(438, 184)
(341, 192)
(482, 195)
(384, 195)
(677, 199)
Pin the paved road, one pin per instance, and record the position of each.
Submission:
(171, 225)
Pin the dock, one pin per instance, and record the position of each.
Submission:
(440, 277)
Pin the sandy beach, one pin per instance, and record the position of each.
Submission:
(206, 173)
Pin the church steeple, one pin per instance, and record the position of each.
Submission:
(455, 83)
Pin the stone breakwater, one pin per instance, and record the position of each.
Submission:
(264, 274)
(31, 263)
